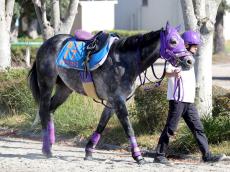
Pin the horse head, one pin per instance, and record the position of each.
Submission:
(173, 50)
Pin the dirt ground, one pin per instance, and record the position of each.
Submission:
(23, 155)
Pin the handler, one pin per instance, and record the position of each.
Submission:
(181, 95)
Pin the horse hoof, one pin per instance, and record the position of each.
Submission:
(140, 160)
(48, 154)
(88, 158)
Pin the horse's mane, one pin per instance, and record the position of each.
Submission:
(138, 41)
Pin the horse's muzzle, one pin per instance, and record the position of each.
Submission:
(187, 62)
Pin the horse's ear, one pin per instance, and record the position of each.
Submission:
(167, 26)
(178, 28)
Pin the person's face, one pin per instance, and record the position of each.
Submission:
(192, 48)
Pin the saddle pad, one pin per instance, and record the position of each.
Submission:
(73, 54)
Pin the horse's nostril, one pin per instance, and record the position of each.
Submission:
(189, 62)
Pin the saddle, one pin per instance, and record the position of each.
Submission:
(93, 43)
(85, 52)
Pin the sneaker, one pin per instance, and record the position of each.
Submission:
(213, 158)
(162, 160)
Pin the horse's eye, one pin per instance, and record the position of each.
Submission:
(173, 41)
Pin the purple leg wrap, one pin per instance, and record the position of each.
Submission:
(133, 142)
(48, 137)
(46, 142)
(51, 130)
(94, 139)
(134, 147)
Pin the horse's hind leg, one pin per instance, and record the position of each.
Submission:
(122, 114)
(62, 92)
(89, 149)
(44, 113)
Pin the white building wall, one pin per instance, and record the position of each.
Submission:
(157, 13)
(97, 15)
(125, 14)
(131, 15)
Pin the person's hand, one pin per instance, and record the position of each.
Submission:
(177, 73)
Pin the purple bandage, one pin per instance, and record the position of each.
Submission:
(48, 137)
(95, 138)
(136, 154)
(51, 130)
(133, 142)
(46, 141)
(134, 147)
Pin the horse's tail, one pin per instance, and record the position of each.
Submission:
(33, 83)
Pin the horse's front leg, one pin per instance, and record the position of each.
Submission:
(90, 147)
(122, 114)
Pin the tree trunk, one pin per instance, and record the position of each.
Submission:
(5, 53)
(200, 15)
(69, 19)
(219, 35)
(6, 13)
(203, 68)
(57, 27)
(56, 15)
(32, 31)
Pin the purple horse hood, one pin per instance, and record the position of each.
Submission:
(172, 45)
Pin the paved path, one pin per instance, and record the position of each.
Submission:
(221, 75)
(22, 155)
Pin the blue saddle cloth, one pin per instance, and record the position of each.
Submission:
(73, 54)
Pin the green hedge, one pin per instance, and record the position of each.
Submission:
(14, 93)
(151, 106)
(221, 105)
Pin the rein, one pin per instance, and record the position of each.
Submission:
(142, 82)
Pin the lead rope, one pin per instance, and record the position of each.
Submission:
(178, 83)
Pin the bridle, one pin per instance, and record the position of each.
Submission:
(166, 54)
(169, 56)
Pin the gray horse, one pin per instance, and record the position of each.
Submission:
(113, 80)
